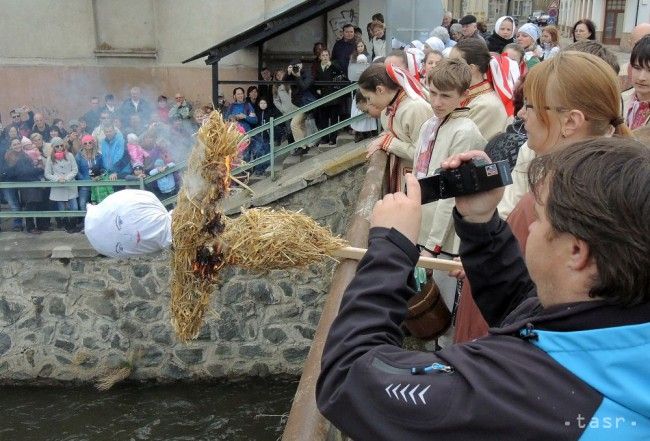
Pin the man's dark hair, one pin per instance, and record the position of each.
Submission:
(234, 91)
(590, 25)
(475, 52)
(378, 16)
(596, 48)
(597, 193)
(641, 53)
(376, 75)
(348, 25)
(109, 97)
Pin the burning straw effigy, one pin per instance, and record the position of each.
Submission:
(204, 240)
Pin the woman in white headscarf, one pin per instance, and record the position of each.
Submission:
(527, 37)
(504, 34)
(434, 44)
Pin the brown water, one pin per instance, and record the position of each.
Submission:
(250, 410)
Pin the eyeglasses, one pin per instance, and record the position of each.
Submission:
(87, 143)
(556, 109)
(59, 146)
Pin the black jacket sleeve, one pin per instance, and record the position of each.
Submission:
(494, 266)
(496, 388)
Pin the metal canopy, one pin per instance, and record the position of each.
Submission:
(268, 29)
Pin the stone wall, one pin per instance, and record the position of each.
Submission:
(82, 319)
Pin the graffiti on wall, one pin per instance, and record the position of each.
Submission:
(336, 23)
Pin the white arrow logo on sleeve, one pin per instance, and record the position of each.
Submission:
(395, 391)
(388, 390)
(412, 392)
(421, 394)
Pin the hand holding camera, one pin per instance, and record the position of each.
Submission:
(479, 200)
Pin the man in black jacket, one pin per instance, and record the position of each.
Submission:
(568, 355)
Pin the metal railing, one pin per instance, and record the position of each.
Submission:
(270, 158)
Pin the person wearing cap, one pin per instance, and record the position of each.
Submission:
(527, 36)
(61, 166)
(90, 166)
(469, 28)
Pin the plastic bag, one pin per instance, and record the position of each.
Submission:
(128, 223)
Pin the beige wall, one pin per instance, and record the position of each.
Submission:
(49, 60)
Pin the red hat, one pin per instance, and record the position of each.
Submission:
(87, 138)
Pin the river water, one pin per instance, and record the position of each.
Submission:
(251, 410)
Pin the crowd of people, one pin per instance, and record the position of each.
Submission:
(552, 307)
(108, 142)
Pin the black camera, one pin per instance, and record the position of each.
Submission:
(95, 172)
(295, 68)
(472, 177)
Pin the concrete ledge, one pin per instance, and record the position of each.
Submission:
(54, 244)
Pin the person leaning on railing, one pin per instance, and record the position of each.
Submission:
(9, 160)
(61, 166)
(90, 166)
(19, 167)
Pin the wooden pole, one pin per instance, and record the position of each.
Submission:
(424, 262)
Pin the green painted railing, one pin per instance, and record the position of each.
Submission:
(270, 158)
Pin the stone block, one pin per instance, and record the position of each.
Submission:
(63, 360)
(262, 292)
(251, 351)
(57, 307)
(306, 332)
(138, 290)
(324, 207)
(150, 356)
(141, 269)
(121, 343)
(308, 295)
(259, 370)
(46, 371)
(115, 274)
(286, 287)
(174, 372)
(10, 312)
(161, 334)
(64, 345)
(227, 326)
(102, 306)
(143, 311)
(5, 343)
(222, 350)
(47, 281)
(66, 329)
(190, 356)
(32, 324)
(90, 343)
(314, 317)
(131, 330)
(279, 192)
(89, 284)
(77, 266)
(295, 355)
(205, 333)
(216, 370)
(274, 334)
(233, 292)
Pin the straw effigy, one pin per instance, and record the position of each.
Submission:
(204, 240)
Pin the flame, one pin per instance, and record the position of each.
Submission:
(226, 178)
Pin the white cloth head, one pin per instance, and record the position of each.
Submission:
(442, 33)
(417, 44)
(396, 44)
(128, 223)
(497, 25)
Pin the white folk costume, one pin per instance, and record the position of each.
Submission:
(438, 140)
(486, 109)
(402, 120)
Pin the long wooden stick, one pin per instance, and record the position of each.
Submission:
(424, 262)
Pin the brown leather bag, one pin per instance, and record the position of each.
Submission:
(428, 316)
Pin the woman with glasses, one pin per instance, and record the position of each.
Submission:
(90, 165)
(61, 166)
(559, 108)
